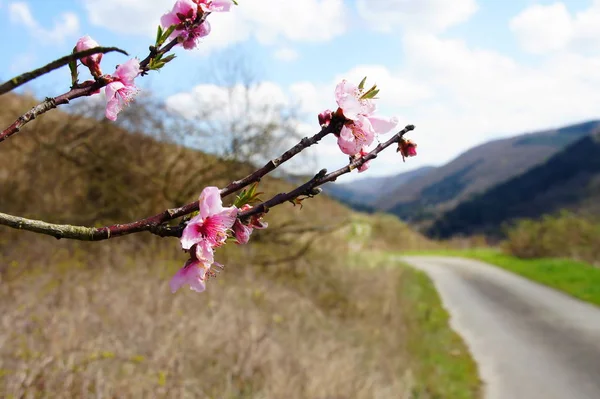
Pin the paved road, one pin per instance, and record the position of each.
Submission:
(530, 341)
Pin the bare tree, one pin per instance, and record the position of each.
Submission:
(247, 119)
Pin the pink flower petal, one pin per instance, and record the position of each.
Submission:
(128, 71)
(242, 232)
(226, 217)
(382, 125)
(118, 96)
(351, 107)
(347, 142)
(168, 20)
(363, 131)
(192, 233)
(347, 96)
(216, 5)
(113, 107)
(210, 202)
(193, 274)
(204, 252)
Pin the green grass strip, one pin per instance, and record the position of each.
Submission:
(442, 364)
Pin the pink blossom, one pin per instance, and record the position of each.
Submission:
(365, 165)
(196, 270)
(242, 231)
(209, 228)
(215, 5)
(360, 133)
(183, 16)
(122, 90)
(191, 37)
(361, 125)
(91, 61)
(183, 11)
(347, 96)
(200, 236)
(355, 135)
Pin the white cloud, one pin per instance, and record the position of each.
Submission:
(286, 54)
(65, 27)
(117, 15)
(306, 20)
(222, 103)
(482, 94)
(309, 98)
(429, 15)
(546, 28)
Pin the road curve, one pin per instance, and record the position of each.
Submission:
(529, 341)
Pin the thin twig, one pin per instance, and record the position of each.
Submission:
(36, 73)
(154, 52)
(76, 92)
(322, 177)
(50, 103)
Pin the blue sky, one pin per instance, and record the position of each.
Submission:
(463, 71)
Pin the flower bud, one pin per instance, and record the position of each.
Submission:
(325, 118)
(365, 165)
(91, 61)
(407, 148)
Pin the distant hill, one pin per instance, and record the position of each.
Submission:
(478, 170)
(363, 194)
(570, 179)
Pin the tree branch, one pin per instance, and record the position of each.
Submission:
(36, 73)
(155, 224)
